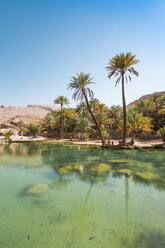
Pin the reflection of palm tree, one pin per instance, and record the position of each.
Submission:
(126, 200)
(88, 194)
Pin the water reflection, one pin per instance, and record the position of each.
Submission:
(146, 167)
(97, 198)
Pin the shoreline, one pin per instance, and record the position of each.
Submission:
(139, 144)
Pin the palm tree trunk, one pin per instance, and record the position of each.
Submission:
(124, 113)
(61, 123)
(94, 119)
(60, 128)
(133, 137)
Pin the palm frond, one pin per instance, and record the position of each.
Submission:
(121, 64)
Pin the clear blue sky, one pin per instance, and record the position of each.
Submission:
(43, 43)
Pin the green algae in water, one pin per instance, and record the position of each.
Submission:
(82, 208)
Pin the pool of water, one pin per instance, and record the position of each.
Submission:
(94, 198)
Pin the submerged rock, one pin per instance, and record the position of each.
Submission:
(126, 172)
(38, 189)
(65, 169)
(101, 168)
(71, 167)
(146, 175)
(78, 167)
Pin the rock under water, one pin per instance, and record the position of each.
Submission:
(38, 189)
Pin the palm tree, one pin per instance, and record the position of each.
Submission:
(66, 114)
(62, 100)
(81, 91)
(137, 122)
(118, 67)
(82, 109)
(8, 134)
(161, 132)
(49, 122)
(144, 107)
(158, 104)
(94, 104)
(84, 125)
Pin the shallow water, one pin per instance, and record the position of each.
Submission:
(83, 207)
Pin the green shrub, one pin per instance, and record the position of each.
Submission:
(161, 132)
(105, 134)
(33, 128)
(8, 134)
(84, 136)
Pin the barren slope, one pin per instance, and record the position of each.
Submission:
(145, 97)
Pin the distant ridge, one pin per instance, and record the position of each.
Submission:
(145, 97)
(30, 113)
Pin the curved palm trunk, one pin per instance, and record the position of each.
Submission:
(94, 119)
(124, 113)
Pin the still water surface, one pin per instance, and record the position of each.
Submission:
(84, 205)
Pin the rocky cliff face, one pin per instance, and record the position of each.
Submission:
(145, 97)
(31, 113)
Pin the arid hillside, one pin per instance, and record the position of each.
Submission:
(145, 97)
(31, 113)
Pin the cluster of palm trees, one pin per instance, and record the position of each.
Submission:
(118, 67)
(92, 116)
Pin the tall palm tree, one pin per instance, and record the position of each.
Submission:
(118, 67)
(80, 85)
(62, 100)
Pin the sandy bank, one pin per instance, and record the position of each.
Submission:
(138, 143)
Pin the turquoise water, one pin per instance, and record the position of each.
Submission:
(84, 205)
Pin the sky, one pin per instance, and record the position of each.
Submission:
(44, 43)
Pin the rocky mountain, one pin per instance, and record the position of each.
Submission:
(145, 97)
(30, 113)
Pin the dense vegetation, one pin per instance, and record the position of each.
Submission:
(93, 119)
(110, 120)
